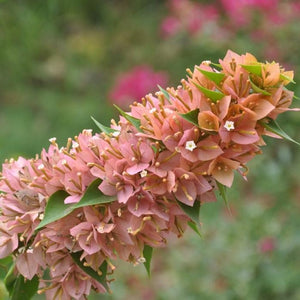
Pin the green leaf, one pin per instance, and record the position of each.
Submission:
(213, 76)
(99, 276)
(103, 128)
(55, 208)
(93, 196)
(274, 127)
(195, 227)
(10, 279)
(258, 90)
(192, 211)
(285, 77)
(5, 264)
(213, 95)
(253, 69)
(216, 65)
(132, 120)
(147, 253)
(24, 289)
(165, 93)
(222, 190)
(191, 116)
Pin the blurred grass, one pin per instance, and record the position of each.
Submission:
(58, 61)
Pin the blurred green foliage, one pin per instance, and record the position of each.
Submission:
(58, 61)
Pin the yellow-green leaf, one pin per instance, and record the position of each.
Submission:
(285, 77)
(258, 90)
(253, 69)
(132, 120)
(165, 93)
(216, 77)
(103, 128)
(213, 95)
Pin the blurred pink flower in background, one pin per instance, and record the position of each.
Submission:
(135, 84)
(266, 244)
(193, 17)
(170, 26)
(187, 16)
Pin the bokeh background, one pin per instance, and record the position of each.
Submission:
(63, 61)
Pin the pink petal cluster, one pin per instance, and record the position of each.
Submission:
(134, 84)
(220, 20)
(150, 169)
(187, 16)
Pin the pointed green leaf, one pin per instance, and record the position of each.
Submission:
(134, 121)
(147, 253)
(297, 98)
(93, 196)
(285, 77)
(24, 289)
(258, 90)
(5, 264)
(191, 116)
(103, 128)
(222, 190)
(216, 65)
(213, 95)
(192, 211)
(195, 227)
(275, 128)
(99, 276)
(10, 279)
(55, 208)
(216, 77)
(253, 69)
(165, 93)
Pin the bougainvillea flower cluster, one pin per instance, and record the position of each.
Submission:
(67, 214)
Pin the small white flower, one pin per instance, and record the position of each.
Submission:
(41, 167)
(143, 173)
(52, 140)
(100, 228)
(75, 145)
(152, 110)
(206, 62)
(87, 132)
(116, 133)
(229, 125)
(190, 145)
(141, 260)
